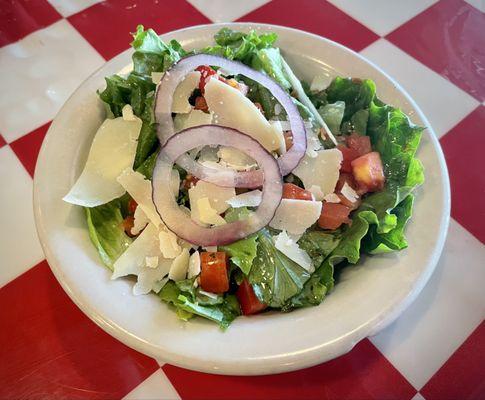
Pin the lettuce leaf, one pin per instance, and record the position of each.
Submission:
(274, 277)
(187, 305)
(106, 232)
(356, 93)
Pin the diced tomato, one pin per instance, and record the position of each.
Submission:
(248, 301)
(343, 179)
(189, 181)
(213, 272)
(333, 215)
(361, 144)
(351, 204)
(132, 204)
(348, 155)
(205, 73)
(127, 224)
(288, 135)
(368, 172)
(291, 191)
(201, 104)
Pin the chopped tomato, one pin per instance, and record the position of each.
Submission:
(368, 172)
(288, 135)
(248, 301)
(333, 215)
(361, 144)
(351, 204)
(343, 179)
(291, 191)
(127, 224)
(213, 272)
(132, 204)
(189, 181)
(205, 73)
(201, 104)
(348, 155)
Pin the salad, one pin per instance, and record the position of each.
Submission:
(227, 186)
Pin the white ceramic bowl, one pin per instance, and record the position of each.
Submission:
(367, 297)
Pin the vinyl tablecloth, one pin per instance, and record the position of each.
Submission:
(435, 350)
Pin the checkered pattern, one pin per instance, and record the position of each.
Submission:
(436, 350)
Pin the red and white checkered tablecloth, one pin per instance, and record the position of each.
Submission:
(436, 350)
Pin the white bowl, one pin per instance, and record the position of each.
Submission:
(368, 296)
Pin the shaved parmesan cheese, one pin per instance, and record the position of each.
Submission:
(296, 216)
(157, 286)
(183, 92)
(127, 113)
(316, 192)
(193, 118)
(207, 214)
(349, 193)
(149, 279)
(178, 270)
(313, 144)
(168, 244)
(236, 159)
(141, 190)
(291, 249)
(279, 130)
(208, 294)
(194, 265)
(113, 150)
(217, 196)
(151, 262)
(231, 108)
(332, 198)
(210, 249)
(322, 171)
(320, 82)
(134, 260)
(248, 199)
(140, 221)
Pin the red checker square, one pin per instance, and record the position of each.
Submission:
(449, 38)
(107, 25)
(463, 375)
(2, 141)
(463, 148)
(364, 373)
(316, 16)
(18, 18)
(27, 147)
(49, 349)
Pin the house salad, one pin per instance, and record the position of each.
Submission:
(227, 186)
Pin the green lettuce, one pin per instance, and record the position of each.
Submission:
(332, 114)
(106, 232)
(187, 304)
(274, 277)
(356, 93)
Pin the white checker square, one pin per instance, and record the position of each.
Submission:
(155, 387)
(224, 11)
(443, 103)
(450, 307)
(39, 73)
(478, 4)
(69, 7)
(383, 16)
(19, 246)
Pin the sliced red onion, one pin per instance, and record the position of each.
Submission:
(163, 107)
(178, 221)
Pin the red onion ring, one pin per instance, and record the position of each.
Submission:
(163, 115)
(178, 221)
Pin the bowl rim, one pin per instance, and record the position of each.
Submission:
(371, 328)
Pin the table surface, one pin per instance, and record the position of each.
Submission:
(436, 349)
